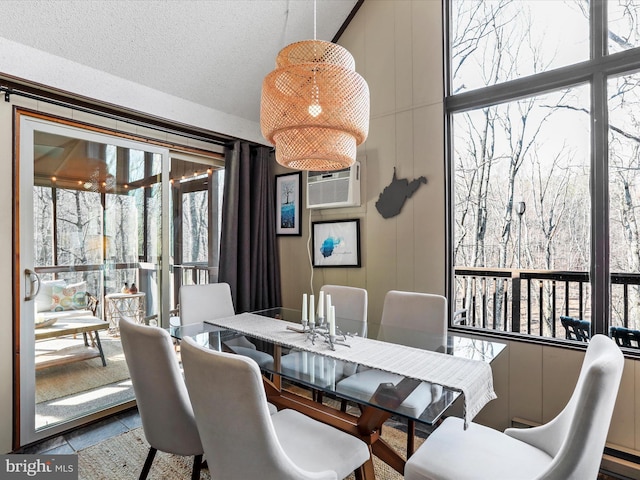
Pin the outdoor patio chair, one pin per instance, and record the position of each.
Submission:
(625, 337)
(576, 329)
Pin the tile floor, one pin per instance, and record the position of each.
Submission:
(87, 436)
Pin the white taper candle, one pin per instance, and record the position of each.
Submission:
(332, 320)
(321, 304)
(304, 307)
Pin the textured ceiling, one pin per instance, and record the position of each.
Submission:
(214, 53)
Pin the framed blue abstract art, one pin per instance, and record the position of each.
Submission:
(288, 203)
(336, 243)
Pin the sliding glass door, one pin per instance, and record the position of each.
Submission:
(197, 184)
(92, 231)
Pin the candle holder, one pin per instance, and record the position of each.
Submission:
(337, 340)
(315, 331)
(340, 338)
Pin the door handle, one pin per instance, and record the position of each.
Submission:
(31, 279)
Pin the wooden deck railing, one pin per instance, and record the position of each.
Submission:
(532, 301)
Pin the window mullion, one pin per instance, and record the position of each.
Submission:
(600, 286)
(599, 29)
(599, 268)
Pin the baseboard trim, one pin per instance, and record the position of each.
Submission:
(619, 468)
(617, 460)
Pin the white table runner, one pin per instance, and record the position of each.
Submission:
(473, 378)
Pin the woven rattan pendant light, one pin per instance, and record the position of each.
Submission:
(315, 107)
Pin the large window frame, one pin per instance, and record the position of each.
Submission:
(595, 72)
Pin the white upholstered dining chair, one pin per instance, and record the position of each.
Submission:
(408, 318)
(163, 402)
(243, 441)
(569, 447)
(199, 303)
(415, 319)
(351, 309)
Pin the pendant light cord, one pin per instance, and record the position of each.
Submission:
(314, 82)
(309, 253)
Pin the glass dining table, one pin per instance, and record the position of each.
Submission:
(292, 372)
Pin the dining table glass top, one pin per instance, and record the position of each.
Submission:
(400, 395)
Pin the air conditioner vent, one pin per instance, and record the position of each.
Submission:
(334, 189)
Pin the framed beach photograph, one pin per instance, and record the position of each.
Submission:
(336, 243)
(288, 203)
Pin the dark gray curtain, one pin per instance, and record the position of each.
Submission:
(249, 260)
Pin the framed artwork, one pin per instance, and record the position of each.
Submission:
(288, 204)
(336, 243)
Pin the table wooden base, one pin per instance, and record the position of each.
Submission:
(366, 427)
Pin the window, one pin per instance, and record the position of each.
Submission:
(494, 41)
(546, 164)
(624, 198)
(197, 186)
(624, 31)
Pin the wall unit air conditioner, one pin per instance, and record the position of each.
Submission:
(334, 189)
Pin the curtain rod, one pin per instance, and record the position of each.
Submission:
(9, 90)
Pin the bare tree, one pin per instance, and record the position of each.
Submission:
(624, 168)
(196, 225)
(498, 147)
(288, 189)
(43, 222)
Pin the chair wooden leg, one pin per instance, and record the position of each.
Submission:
(197, 463)
(411, 434)
(147, 464)
(365, 471)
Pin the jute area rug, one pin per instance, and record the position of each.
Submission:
(65, 380)
(122, 458)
